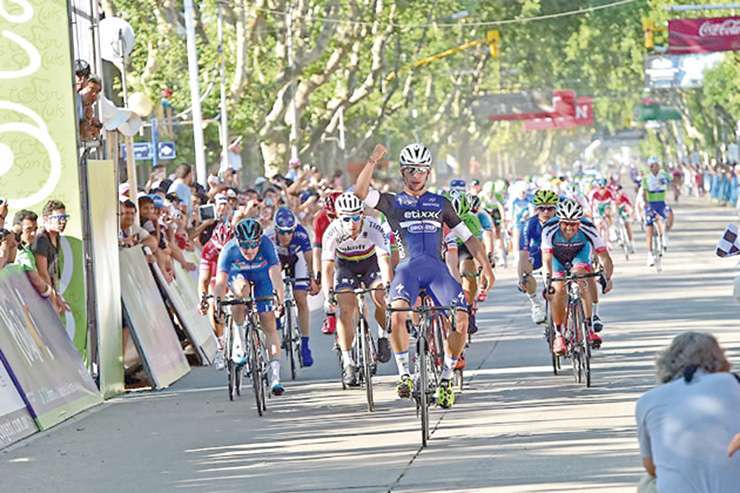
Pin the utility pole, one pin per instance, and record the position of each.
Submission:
(200, 152)
(293, 139)
(222, 73)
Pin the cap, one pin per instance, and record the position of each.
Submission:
(220, 198)
(157, 200)
(230, 193)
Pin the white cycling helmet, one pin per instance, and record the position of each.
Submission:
(416, 155)
(348, 203)
(569, 210)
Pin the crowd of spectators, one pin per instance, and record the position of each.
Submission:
(719, 181)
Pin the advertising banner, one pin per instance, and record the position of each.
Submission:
(47, 366)
(684, 71)
(182, 293)
(704, 35)
(151, 327)
(103, 198)
(38, 139)
(583, 116)
(15, 420)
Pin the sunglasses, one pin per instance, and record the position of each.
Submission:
(285, 232)
(249, 245)
(415, 170)
(59, 217)
(571, 224)
(355, 219)
(546, 208)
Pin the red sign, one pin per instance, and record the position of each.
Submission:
(687, 36)
(583, 116)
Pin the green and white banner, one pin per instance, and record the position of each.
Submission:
(38, 137)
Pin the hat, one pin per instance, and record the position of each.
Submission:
(157, 200)
(230, 193)
(123, 189)
(220, 198)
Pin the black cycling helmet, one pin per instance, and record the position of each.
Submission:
(248, 232)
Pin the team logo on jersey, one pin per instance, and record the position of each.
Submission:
(406, 200)
(416, 214)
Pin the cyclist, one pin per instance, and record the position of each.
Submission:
(417, 218)
(654, 186)
(496, 211)
(294, 251)
(601, 200)
(519, 208)
(458, 258)
(356, 254)
(625, 211)
(486, 224)
(530, 257)
(568, 240)
(457, 185)
(250, 258)
(321, 221)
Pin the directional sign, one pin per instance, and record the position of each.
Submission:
(142, 151)
(167, 151)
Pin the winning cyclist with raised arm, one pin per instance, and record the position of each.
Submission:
(250, 257)
(356, 255)
(417, 218)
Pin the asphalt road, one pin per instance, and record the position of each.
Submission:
(515, 428)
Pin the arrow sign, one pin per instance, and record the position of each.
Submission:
(167, 151)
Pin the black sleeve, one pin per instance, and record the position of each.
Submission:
(385, 203)
(42, 246)
(449, 216)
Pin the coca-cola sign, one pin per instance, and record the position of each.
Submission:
(687, 36)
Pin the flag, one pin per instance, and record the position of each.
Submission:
(729, 244)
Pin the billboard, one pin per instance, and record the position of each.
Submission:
(583, 116)
(48, 368)
(151, 327)
(704, 35)
(38, 136)
(678, 71)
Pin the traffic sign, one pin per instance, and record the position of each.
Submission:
(167, 151)
(142, 151)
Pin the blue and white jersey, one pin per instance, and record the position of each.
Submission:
(486, 223)
(530, 236)
(418, 222)
(231, 260)
(300, 243)
(564, 250)
(520, 210)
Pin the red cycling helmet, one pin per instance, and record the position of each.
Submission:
(329, 200)
(221, 235)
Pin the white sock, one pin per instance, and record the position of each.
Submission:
(347, 358)
(275, 371)
(595, 309)
(402, 362)
(382, 334)
(450, 363)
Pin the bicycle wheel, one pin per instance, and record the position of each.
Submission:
(658, 251)
(550, 337)
(423, 400)
(364, 337)
(585, 346)
(338, 351)
(573, 344)
(230, 366)
(256, 368)
(288, 339)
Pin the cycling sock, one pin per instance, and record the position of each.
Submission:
(559, 329)
(532, 297)
(275, 371)
(595, 309)
(304, 341)
(382, 334)
(347, 358)
(402, 362)
(450, 362)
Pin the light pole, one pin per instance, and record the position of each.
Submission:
(222, 73)
(293, 139)
(200, 155)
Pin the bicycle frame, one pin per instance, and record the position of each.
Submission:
(290, 333)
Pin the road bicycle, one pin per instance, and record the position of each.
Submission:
(247, 339)
(429, 334)
(364, 348)
(576, 330)
(290, 331)
(657, 241)
(622, 237)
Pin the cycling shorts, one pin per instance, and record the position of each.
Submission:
(654, 209)
(582, 260)
(602, 209)
(496, 217)
(262, 286)
(297, 265)
(428, 273)
(350, 274)
(536, 259)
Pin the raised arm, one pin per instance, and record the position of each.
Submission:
(362, 186)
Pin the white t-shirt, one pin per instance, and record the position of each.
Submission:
(685, 429)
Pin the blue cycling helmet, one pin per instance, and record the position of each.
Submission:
(285, 220)
(457, 184)
(652, 160)
(601, 182)
(247, 232)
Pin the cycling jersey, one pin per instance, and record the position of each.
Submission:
(417, 222)
(656, 186)
(340, 244)
(520, 209)
(321, 221)
(232, 262)
(299, 243)
(211, 249)
(530, 239)
(601, 201)
(575, 252)
(486, 222)
(453, 242)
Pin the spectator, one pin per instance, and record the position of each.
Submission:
(181, 185)
(8, 247)
(685, 425)
(27, 222)
(3, 211)
(46, 245)
(132, 234)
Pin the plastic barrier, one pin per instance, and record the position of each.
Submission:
(150, 324)
(47, 368)
(182, 294)
(15, 420)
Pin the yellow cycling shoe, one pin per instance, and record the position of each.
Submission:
(445, 394)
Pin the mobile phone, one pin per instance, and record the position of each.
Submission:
(207, 212)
